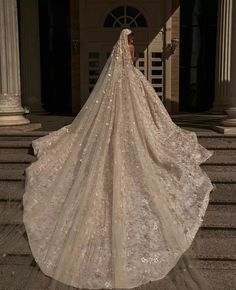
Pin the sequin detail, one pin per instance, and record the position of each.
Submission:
(116, 197)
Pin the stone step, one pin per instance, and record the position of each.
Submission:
(9, 134)
(220, 173)
(11, 190)
(22, 136)
(224, 193)
(208, 244)
(217, 216)
(12, 147)
(13, 166)
(16, 158)
(12, 150)
(9, 165)
(221, 275)
(14, 155)
(210, 141)
(225, 153)
(216, 239)
(221, 279)
(18, 138)
(220, 216)
(216, 244)
(222, 157)
(11, 212)
(12, 174)
(21, 277)
(15, 144)
(14, 241)
(218, 142)
(20, 254)
(217, 173)
(19, 160)
(11, 259)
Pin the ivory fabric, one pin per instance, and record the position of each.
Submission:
(116, 197)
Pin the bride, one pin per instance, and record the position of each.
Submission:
(116, 197)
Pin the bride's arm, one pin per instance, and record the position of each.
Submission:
(132, 51)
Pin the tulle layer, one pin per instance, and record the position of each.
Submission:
(116, 197)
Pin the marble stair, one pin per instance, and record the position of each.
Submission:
(217, 236)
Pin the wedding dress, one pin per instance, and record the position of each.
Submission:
(116, 197)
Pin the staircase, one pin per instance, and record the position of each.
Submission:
(217, 236)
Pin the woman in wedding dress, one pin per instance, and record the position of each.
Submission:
(116, 197)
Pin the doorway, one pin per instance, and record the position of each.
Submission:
(198, 21)
(54, 23)
(97, 43)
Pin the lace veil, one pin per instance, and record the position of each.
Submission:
(116, 198)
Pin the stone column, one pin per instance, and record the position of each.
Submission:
(11, 111)
(222, 79)
(30, 55)
(229, 124)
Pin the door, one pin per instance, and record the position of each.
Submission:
(98, 39)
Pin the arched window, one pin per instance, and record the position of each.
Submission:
(125, 16)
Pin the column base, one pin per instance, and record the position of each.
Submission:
(228, 122)
(20, 128)
(225, 130)
(218, 109)
(15, 120)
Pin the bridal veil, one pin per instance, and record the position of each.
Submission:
(116, 198)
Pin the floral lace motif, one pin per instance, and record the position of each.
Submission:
(116, 197)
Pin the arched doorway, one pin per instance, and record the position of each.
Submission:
(97, 42)
(76, 38)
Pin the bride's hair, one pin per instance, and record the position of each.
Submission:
(130, 36)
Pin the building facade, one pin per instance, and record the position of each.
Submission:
(76, 37)
(61, 46)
